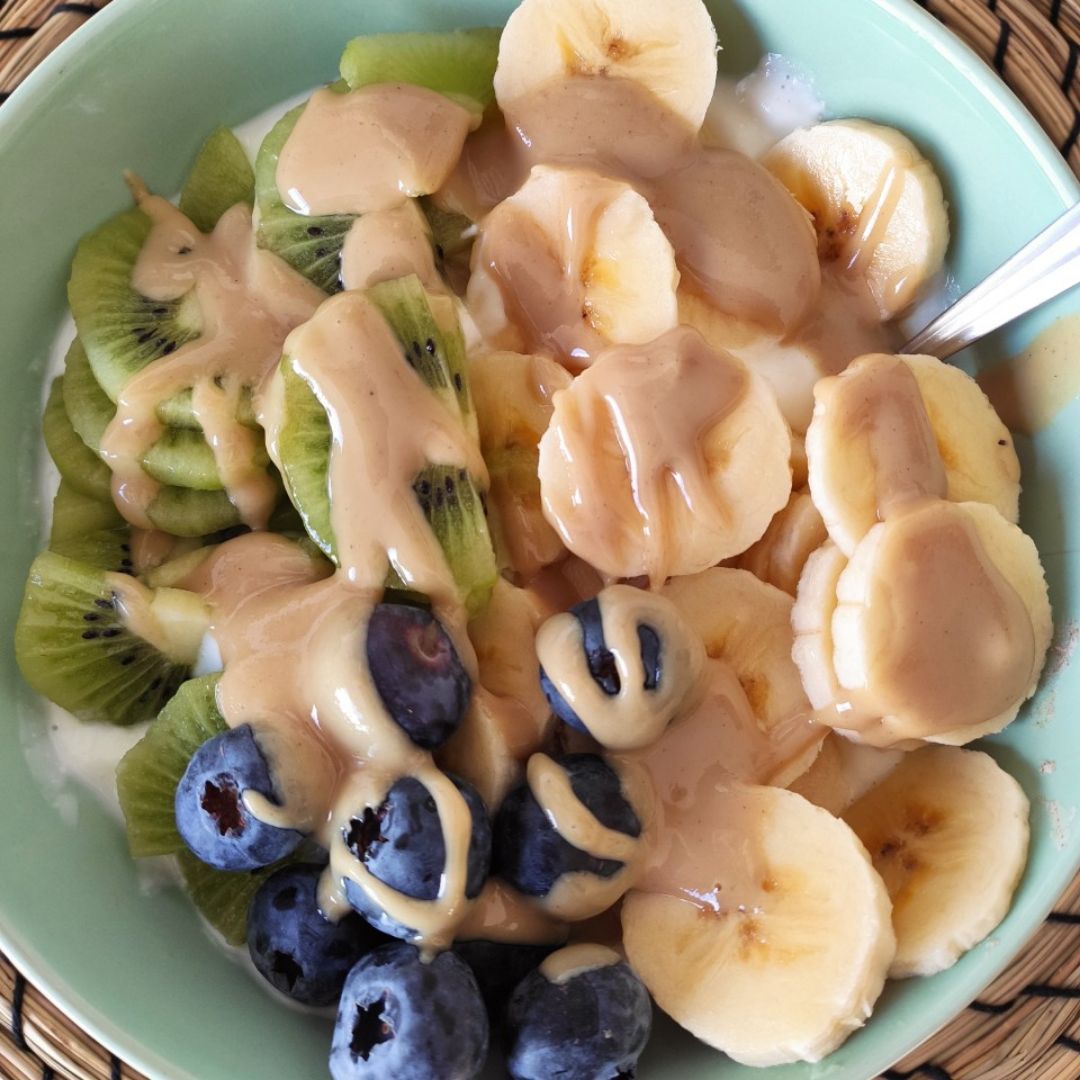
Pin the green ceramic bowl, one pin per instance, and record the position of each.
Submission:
(140, 87)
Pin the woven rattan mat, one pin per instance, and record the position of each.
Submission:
(1026, 1026)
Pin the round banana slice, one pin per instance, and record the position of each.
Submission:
(669, 49)
(664, 459)
(891, 428)
(947, 830)
(876, 202)
(765, 931)
(512, 395)
(753, 719)
(570, 263)
(780, 555)
(942, 624)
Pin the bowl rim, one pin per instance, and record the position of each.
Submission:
(78, 51)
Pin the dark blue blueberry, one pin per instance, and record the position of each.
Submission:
(401, 843)
(528, 851)
(294, 947)
(499, 966)
(594, 1026)
(402, 1019)
(211, 815)
(417, 672)
(601, 662)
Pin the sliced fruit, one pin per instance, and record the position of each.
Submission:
(122, 330)
(843, 772)
(948, 832)
(792, 536)
(664, 459)
(187, 512)
(452, 233)
(310, 245)
(183, 458)
(898, 427)
(459, 64)
(876, 202)
(773, 939)
(88, 406)
(942, 624)
(149, 772)
(513, 396)
(221, 177)
(105, 549)
(74, 515)
(669, 49)
(77, 642)
(752, 721)
(569, 263)
(78, 465)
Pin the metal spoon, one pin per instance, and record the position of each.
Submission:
(1039, 271)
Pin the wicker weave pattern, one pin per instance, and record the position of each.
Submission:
(1026, 1026)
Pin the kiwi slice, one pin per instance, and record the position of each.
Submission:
(220, 178)
(310, 245)
(147, 775)
(75, 515)
(122, 330)
(451, 232)
(459, 64)
(73, 646)
(178, 411)
(448, 495)
(78, 464)
(224, 897)
(88, 406)
(104, 549)
(188, 512)
(183, 458)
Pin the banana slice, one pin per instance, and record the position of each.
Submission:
(669, 49)
(876, 202)
(843, 772)
(753, 722)
(571, 263)
(765, 931)
(941, 626)
(664, 459)
(513, 394)
(948, 832)
(792, 536)
(895, 427)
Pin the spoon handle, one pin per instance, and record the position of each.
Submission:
(1038, 272)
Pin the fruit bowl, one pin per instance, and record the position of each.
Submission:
(140, 88)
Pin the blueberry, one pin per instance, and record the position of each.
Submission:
(211, 815)
(601, 662)
(402, 1019)
(294, 946)
(417, 672)
(594, 1026)
(499, 966)
(531, 855)
(401, 843)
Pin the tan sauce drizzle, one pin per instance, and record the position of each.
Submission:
(501, 914)
(950, 641)
(1030, 390)
(566, 964)
(247, 309)
(633, 717)
(370, 149)
(654, 406)
(389, 244)
(877, 403)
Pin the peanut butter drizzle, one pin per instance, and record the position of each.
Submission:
(950, 642)
(878, 403)
(635, 716)
(389, 244)
(655, 407)
(248, 301)
(370, 149)
(562, 966)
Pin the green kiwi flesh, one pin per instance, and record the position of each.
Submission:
(221, 177)
(122, 330)
(88, 406)
(187, 512)
(73, 647)
(310, 245)
(147, 775)
(79, 466)
(74, 515)
(448, 495)
(459, 64)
